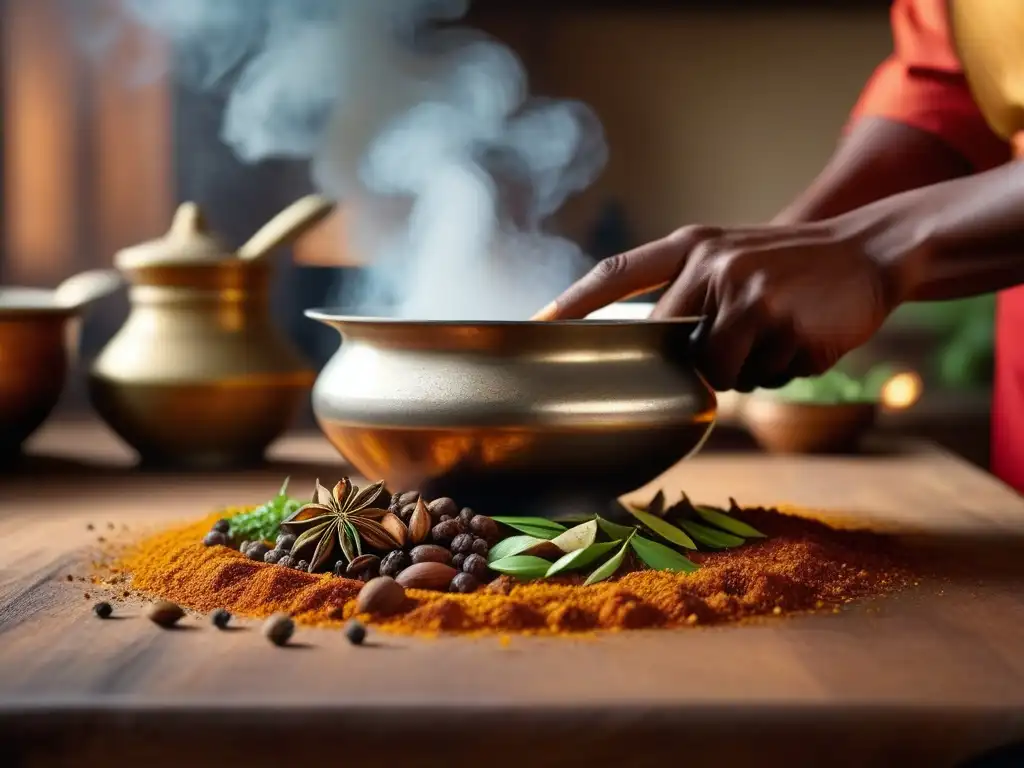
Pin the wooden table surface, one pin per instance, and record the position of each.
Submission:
(929, 677)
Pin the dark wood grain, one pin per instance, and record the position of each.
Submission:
(928, 677)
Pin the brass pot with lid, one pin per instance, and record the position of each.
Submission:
(199, 376)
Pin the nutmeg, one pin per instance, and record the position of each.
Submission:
(428, 575)
(381, 595)
(430, 553)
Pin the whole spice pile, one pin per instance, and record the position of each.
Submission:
(427, 567)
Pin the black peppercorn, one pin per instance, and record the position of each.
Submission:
(257, 551)
(457, 562)
(466, 515)
(285, 542)
(477, 566)
(394, 563)
(287, 561)
(464, 583)
(222, 526)
(215, 538)
(355, 632)
(279, 628)
(220, 618)
(244, 546)
(274, 556)
(445, 518)
(103, 610)
(485, 528)
(361, 565)
(445, 531)
(462, 544)
(407, 511)
(302, 565)
(481, 547)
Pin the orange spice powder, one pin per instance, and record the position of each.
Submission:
(803, 565)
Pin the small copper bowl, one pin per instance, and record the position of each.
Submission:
(781, 426)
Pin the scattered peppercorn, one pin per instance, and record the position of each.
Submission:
(394, 563)
(355, 632)
(287, 561)
(215, 538)
(164, 613)
(464, 583)
(463, 544)
(481, 547)
(103, 610)
(257, 551)
(221, 526)
(477, 566)
(279, 629)
(69, 577)
(445, 531)
(274, 556)
(285, 542)
(302, 565)
(220, 618)
(485, 528)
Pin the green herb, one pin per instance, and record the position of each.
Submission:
(710, 537)
(581, 558)
(264, 522)
(540, 527)
(521, 566)
(661, 558)
(727, 522)
(615, 530)
(610, 566)
(666, 530)
(513, 545)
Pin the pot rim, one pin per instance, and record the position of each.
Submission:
(327, 315)
(25, 302)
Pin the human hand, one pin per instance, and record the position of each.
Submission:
(778, 302)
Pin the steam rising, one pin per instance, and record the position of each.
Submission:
(446, 169)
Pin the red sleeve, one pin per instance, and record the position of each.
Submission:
(922, 85)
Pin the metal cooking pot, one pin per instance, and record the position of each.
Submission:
(531, 417)
(34, 333)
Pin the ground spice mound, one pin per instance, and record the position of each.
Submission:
(803, 565)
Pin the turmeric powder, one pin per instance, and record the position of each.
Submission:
(804, 565)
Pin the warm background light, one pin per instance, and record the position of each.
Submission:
(901, 391)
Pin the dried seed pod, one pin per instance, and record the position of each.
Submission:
(381, 595)
(362, 563)
(394, 563)
(430, 553)
(393, 524)
(435, 576)
(443, 506)
(279, 628)
(420, 523)
(164, 613)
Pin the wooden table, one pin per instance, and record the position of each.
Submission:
(929, 677)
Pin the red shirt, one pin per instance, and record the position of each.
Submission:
(922, 85)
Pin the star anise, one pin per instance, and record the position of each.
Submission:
(343, 518)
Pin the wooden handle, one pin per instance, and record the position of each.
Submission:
(289, 224)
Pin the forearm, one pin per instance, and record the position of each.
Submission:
(877, 159)
(952, 240)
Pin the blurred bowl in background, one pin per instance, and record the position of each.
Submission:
(781, 426)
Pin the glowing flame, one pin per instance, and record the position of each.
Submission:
(901, 391)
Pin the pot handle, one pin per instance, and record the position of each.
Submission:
(84, 288)
(286, 226)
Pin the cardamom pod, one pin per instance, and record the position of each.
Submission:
(420, 523)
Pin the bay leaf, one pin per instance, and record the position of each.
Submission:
(581, 558)
(607, 569)
(711, 537)
(727, 522)
(513, 545)
(521, 566)
(545, 549)
(540, 527)
(580, 537)
(661, 558)
(665, 530)
(614, 530)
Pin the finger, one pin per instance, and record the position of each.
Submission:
(769, 360)
(688, 294)
(724, 349)
(628, 274)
